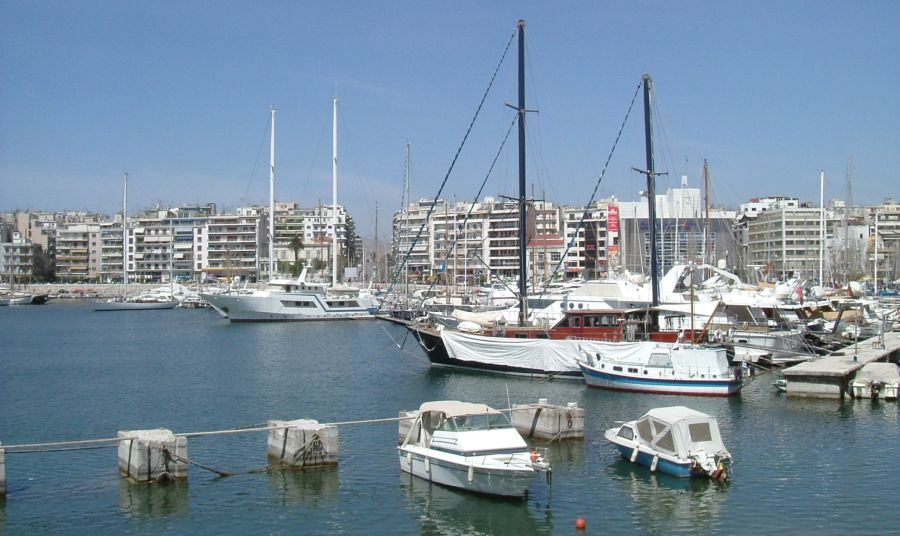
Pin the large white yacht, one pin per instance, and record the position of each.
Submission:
(293, 300)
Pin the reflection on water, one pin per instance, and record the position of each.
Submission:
(153, 500)
(563, 452)
(666, 504)
(447, 511)
(305, 486)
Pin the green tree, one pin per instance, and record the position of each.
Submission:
(296, 245)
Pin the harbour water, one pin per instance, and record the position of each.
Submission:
(801, 466)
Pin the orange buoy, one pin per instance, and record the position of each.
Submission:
(580, 523)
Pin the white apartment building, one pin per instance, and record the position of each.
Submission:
(316, 228)
(470, 241)
(73, 246)
(16, 258)
(783, 237)
(232, 244)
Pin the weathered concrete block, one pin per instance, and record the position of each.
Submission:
(407, 419)
(2, 473)
(303, 443)
(816, 387)
(546, 421)
(152, 455)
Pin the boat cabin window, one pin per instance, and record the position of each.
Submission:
(644, 430)
(626, 432)
(659, 360)
(574, 322)
(467, 423)
(665, 442)
(617, 368)
(700, 432)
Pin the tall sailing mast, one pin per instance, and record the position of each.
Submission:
(651, 189)
(272, 199)
(334, 177)
(523, 239)
(125, 238)
(708, 258)
(406, 225)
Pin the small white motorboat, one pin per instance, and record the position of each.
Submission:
(876, 379)
(675, 440)
(471, 447)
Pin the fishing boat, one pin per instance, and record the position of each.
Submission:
(293, 300)
(674, 440)
(469, 446)
(650, 367)
(139, 302)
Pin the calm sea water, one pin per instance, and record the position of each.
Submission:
(802, 466)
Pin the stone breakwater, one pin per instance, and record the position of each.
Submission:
(86, 290)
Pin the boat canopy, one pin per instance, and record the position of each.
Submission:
(454, 408)
(679, 431)
(879, 372)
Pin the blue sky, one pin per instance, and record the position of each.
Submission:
(178, 94)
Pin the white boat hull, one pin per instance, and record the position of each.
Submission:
(286, 307)
(134, 306)
(633, 382)
(468, 473)
(16, 300)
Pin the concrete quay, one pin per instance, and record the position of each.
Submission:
(830, 376)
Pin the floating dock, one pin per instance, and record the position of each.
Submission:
(830, 376)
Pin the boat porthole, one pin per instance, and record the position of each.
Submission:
(645, 372)
(580, 305)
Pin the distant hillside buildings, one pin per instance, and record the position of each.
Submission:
(469, 243)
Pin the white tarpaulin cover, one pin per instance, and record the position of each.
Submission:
(549, 355)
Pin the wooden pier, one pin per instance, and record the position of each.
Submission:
(830, 376)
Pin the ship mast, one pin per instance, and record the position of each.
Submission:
(651, 189)
(272, 199)
(523, 238)
(125, 238)
(709, 259)
(334, 178)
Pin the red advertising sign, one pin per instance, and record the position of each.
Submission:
(612, 224)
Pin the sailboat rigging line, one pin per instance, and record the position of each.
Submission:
(587, 207)
(465, 222)
(452, 165)
(262, 142)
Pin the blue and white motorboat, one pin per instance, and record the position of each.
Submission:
(652, 367)
(471, 447)
(674, 440)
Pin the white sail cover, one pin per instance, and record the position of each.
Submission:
(548, 355)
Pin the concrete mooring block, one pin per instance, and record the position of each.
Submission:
(407, 419)
(152, 455)
(2, 473)
(303, 443)
(546, 421)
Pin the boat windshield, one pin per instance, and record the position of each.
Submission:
(493, 421)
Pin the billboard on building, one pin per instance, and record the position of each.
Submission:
(612, 223)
